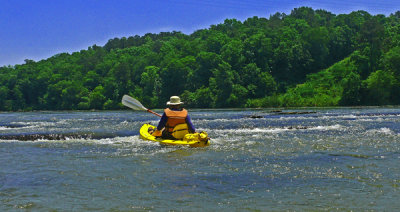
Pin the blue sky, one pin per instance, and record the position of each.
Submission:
(38, 29)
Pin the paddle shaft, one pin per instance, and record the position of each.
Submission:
(150, 111)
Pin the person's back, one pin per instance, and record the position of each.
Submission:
(175, 123)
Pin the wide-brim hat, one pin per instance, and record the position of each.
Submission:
(174, 100)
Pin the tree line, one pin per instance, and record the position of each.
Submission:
(306, 58)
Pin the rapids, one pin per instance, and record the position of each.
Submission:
(265, 159)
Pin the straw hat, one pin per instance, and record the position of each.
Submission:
(174, 100)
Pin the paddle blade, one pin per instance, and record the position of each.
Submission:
(132, 103)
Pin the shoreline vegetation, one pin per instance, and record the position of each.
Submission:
(267, 110)
(308, 58)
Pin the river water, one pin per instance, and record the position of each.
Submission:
(318, 159)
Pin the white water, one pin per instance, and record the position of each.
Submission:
(334, 159)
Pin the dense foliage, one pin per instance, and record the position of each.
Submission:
(308, 58)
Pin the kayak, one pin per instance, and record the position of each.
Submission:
(192, 140)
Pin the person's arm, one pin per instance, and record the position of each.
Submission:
(161, 125)
(162, 122)
(190, 124)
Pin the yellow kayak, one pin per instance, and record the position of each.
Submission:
(192, 140)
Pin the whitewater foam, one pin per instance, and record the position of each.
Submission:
(272, 130)
(383, 130)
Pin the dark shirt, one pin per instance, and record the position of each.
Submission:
(164, 119)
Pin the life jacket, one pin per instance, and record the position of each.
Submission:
(176, 123)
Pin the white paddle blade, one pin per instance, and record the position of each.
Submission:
(132, 103)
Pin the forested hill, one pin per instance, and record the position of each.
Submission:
(307, 58)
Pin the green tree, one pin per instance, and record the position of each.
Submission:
(222, 84)
(173, 77)
(370, 39)
(379, 86)
(351, 90)
(259, 84)
(391, 61)
(216, 40)
(317, 44)
(207, 61)
(232, 53)
(96, 98)
(259, 50)
(3, 97)
(151, 84)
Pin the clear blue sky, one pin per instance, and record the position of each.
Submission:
(38, 29)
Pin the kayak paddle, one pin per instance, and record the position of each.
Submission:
(135, 104)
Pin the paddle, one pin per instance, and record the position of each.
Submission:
(135, 104)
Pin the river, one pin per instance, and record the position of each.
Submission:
(258, 160)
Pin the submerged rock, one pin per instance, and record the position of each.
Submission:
(255, 117)
(53, 136)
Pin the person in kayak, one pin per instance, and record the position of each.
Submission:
(175, 122)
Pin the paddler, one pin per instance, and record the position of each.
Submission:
(175, 122)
